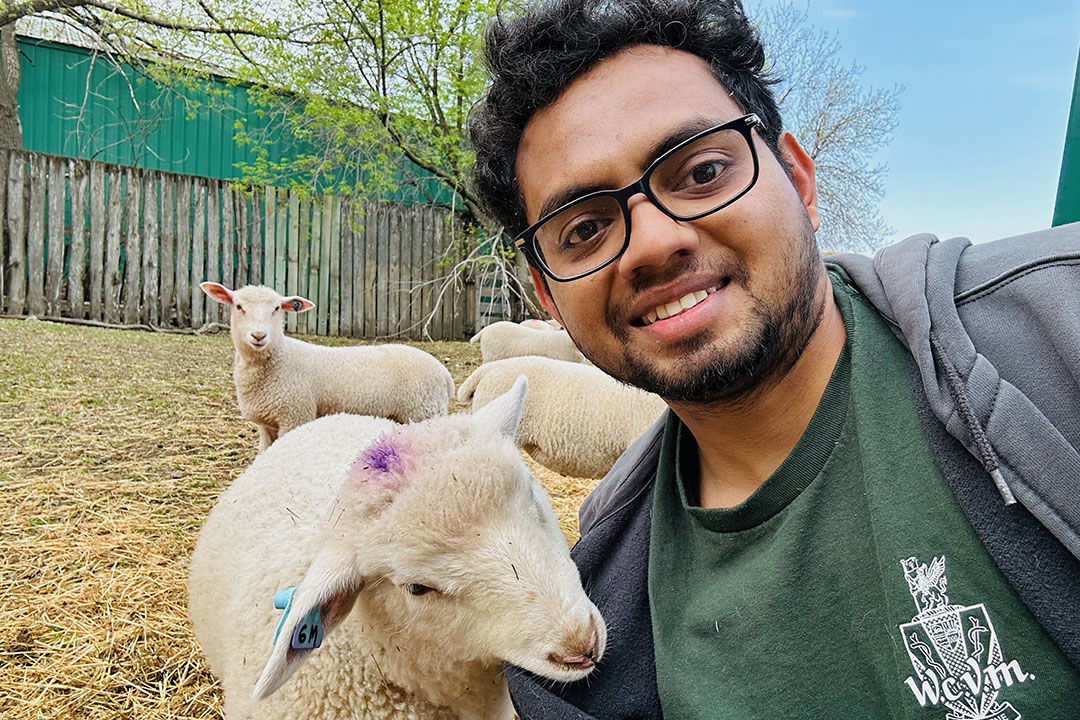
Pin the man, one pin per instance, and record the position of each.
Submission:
(826, 523)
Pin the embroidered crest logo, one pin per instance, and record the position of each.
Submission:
(954, 650)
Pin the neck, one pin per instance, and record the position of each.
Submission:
(740, 446)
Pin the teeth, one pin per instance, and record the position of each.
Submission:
(686, 302)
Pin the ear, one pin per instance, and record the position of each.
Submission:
(331, 584)
(802, 174)
(503, 414)
(295, 303)
(218, 292)
(543, 295)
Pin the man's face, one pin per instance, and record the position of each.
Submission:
(755, 259)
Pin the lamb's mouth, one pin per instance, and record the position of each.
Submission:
(687, 301)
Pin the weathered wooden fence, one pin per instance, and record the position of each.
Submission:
(121, 245)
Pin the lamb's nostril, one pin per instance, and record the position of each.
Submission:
(258, 336)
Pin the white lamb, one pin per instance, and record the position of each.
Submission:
(506, 339)
(577, 420)
(431, 553)
(282, 382)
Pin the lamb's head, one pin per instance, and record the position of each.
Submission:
(442, 532)
(257, 312)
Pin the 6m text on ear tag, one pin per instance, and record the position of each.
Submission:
(308, 633)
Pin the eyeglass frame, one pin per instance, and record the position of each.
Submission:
(526, 241)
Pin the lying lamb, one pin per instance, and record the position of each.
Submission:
(282, 382)
(505, 339)
(430, 552)
(577, 420)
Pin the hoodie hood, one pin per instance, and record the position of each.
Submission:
(933, 297)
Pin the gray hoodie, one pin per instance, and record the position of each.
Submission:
(994, 332)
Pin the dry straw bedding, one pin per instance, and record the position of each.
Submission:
(114, 446)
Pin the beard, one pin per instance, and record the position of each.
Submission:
(766, 345)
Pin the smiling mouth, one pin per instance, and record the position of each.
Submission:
(677, 307)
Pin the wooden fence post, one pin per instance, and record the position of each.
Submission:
(198, 256)
(3, 223)
(335, 264)
(130, 295)
(97, 240)
(293, 256)
(35, 240)
(149, 310)
(77, 258)
(16, 227)
(113, 231)
(168, 250)
(183, 252)
(54, 272)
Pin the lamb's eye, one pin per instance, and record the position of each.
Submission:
(240, 307)
(418, 589)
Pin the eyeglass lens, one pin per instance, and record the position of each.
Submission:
(692, 180)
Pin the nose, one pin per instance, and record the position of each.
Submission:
(579, 654)
(258, 335)
(654, 237)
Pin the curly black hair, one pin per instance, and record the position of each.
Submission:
(535, 54)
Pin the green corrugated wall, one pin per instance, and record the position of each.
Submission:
(1067, 207)
(128, 120)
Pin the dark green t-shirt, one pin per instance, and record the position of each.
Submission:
(850, 584)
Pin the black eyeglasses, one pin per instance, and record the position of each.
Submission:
(697, 177)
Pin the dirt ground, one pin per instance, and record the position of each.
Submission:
(114, 446)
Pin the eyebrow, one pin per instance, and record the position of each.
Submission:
(680, 134)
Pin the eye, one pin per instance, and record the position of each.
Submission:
(418, 589)
(239, 307)
(583, 231)
(275, 310)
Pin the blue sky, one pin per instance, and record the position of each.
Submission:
(987, 90)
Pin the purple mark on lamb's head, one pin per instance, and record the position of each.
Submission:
(381, 464)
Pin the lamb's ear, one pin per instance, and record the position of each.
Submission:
(331, 584)
(218, 292)
(295, 303)
(503, 413)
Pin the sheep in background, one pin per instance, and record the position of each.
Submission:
(577, 420)
(506, 339)
(282, 382)
(432, 554)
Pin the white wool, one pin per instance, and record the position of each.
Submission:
(577, 420)
(460, 513)
(505, 339)
(288, 382)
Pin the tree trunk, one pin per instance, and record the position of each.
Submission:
(10, 128)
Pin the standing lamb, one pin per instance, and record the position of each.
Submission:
(430, 552)
(577, 420)
(506, 339)
(282, 382)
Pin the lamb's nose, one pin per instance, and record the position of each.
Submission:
(585, 659)
(258, 336)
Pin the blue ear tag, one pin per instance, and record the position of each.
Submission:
(308, 633)
(296, 305)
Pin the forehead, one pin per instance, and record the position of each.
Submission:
(600, 129)
(256, 295)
